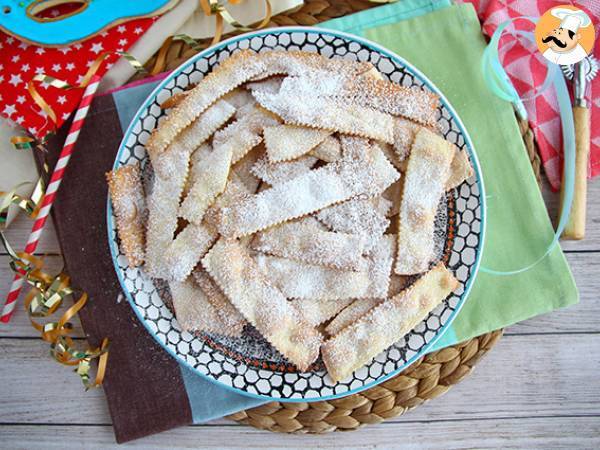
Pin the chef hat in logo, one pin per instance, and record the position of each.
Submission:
(570, 19)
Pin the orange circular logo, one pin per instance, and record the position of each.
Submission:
(565, 35)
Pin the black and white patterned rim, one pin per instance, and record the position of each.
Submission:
(261, 372)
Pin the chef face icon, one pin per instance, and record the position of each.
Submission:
(562, 40)
(563, 35)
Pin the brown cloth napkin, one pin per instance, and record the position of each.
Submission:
(143, 384)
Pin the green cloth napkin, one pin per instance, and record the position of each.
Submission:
(447, 45)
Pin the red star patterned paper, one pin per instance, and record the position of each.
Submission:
(20, 61)
(527, 72)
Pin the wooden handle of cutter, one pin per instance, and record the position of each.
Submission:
(575, 228)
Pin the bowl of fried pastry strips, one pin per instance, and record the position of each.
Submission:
(296, 214)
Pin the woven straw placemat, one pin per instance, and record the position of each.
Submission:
(427, 378)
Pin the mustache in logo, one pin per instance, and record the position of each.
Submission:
(554, 39)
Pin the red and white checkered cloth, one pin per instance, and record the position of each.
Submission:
(527, 71)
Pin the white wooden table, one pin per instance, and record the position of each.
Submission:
(539, 387)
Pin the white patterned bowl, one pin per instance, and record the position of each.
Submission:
(248, 364)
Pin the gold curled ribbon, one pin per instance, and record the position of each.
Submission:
(29, 205)
(21, 142)
(61, 84)
(48, 292)
(44, 299)
(215, 8)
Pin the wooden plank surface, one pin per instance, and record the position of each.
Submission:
(548, 432)
(539, 388)
(524, 376)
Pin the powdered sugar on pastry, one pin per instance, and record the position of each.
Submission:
(196, 160)
(426, 175)
(183, 253)
(193, 310)
(262, 304)
(270, 85)
(380, 260)
(239, 98)
(231, 73)
(412, 103)
(306, 193)
(286, 142)
(243, 134)
(460, 169)
(394, 195)
(329, 150)
(243, 168)
(351, 314)
(211, 181)
(325, 114)
(234, 192)
(301, 280)
(163, 204)
(358, 217)
(129, 204)
(316, 311)
(385, 324)
(404, 135)
(307, 242)
(230, 316)
(275, 173)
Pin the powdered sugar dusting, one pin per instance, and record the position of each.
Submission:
(275, 173)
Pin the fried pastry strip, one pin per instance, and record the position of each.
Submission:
(270, 85)
(329, 150)
(210, 182)
(230, 316)
(170, 173)
(404, 135)
(426, 175)
(394, 195)
(356, 216)
(184, 252)
(243, 168)
(262, 304)
(316, 311)
(174, 100)
(276, 173)
(298, 279)
(233, 72)
(357, 344)
(230, 74)
(413, 103)
(239, 98)
(194, 312)
(163, 206)
(351, 314)
(327, 114)
(379, 261)
(309, 192)
(196, 161)
(244, 134)
(460, 169)
(127, 196)
(286, 142)
(234, 192)
(308, 243)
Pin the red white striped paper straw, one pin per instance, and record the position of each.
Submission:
(48, 200)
